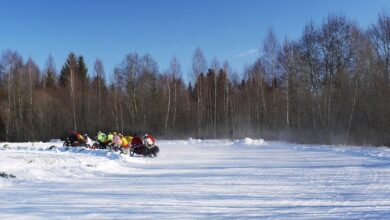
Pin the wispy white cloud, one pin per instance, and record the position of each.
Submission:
(247, 53)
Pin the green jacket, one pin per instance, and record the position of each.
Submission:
(110, 137)
(102, 137)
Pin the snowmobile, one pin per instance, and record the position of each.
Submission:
(106, 146)
(77, 143)
(74, 139)
(113, 147)
(146, 151)
(100, 145)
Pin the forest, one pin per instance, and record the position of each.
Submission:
(331, 86)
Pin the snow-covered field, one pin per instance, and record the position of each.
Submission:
(194, 179)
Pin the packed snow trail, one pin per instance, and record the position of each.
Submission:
(194, 179)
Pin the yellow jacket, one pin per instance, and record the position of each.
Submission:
(129, 138)
(125, 143)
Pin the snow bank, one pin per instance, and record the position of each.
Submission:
(56, 141)
(216, 142)
(197, 142)
(194, 141)
(250, 141)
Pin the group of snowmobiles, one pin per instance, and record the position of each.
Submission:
(144, 145)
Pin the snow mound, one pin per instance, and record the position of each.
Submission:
(194, 141)
(250, 141)
(216, 142)
(56, 141)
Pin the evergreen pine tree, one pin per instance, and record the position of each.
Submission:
(82, 71)
(50, 76)
(83, 96)
(65, 71)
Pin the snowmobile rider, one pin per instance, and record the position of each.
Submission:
(129, 138)
(144, 146)
(148, 141)
(125, 143)
(101, 138)
(110, 137)
(117, 141)
(88, 140)
(75, 138)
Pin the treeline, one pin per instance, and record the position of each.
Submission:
(329, 86)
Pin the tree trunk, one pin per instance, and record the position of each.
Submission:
(31, 104)
(168, 107)
(116, 114)
(8, 122)
(199, 108)
(215, 105)
(263, 99)
(100, 101)
(288, 102)
(175, 101)
(352, 111)
(72, 97)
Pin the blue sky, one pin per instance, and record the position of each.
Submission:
(231, 30)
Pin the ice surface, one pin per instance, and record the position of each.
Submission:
(196, 179)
